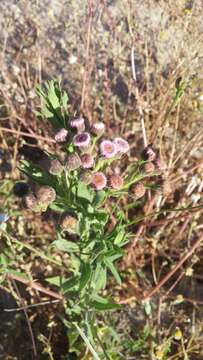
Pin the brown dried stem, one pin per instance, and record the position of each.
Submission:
(38, 137)
(84, 84)
(34, 285)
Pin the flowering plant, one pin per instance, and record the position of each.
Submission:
(81, 186)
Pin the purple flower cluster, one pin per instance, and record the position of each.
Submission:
(90, 155)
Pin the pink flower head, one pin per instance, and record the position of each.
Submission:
(99, 180)
(108, 149)
(98, 128)
(116, 181)
(78, 123)
(61, 135)
(82, 140)
(122, 145)
(87, 161)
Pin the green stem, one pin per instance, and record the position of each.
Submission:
(38, 253)
(87, 342)
(162, 211)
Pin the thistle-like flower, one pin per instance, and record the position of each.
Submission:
(138, 190)
(98, 128)
(69, 223)
(55, 167)
(122, 145)
(87, 161)
(149, 167)
(45, 194)
(108, 149)
(99, 180)
(82, 140)
(78, 123)
(116, 181)
(73, 162)
(61, 135)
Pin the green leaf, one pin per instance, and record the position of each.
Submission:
(69, 284)
(113, 255)
(113, 270)
(84, 192)
(65, 245)
(99, 198)
(3, 260)
(72, 338)
(87, 342)
(100, 303)
(19, 274)
(55, 280)
(148, 308)
(102, 216)
(99, 278)
(59, 207)
(64, 99)
(85, 275)
(35, 173)
(54, 101)
(121, 238)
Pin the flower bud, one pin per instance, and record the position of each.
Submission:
(78, 123)
(55, 167)
(87, 161)
(86, 177)
(149, 167)
(138, 190)
(98, 128)
(116, 181)
(45, 194)
(73, 161)
(69, 223)
(61, 135)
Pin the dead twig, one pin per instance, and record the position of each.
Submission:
(34, 285)
(27, 317)
(139, 232)
(38, 137)
(140, 110)
(43, 303)
(84, 83)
